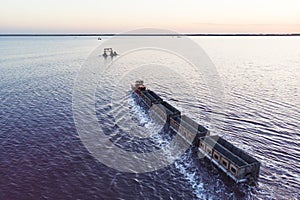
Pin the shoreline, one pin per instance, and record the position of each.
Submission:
(147, 34)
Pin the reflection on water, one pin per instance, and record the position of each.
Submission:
(42, 156)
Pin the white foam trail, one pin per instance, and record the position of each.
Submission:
(151, 128)
(185, 165)
(187, 168)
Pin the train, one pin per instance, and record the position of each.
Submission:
(233, 161)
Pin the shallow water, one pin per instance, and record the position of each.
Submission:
(43, 157)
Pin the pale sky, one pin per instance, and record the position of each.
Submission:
(115, 16)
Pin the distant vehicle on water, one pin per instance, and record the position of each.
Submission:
(109, 52)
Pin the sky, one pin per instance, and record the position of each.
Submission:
(116, 16)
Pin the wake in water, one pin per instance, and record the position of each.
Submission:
(131, 128)
(187, 168)
(185, 165)
(142, 118)
(205, 183)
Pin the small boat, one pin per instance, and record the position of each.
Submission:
(109, 52)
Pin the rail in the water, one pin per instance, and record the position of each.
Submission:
(236, 163)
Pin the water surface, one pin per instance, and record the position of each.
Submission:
(42, 156)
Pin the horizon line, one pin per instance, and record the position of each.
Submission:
(150, 34)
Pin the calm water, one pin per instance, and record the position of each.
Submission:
(42, 157)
